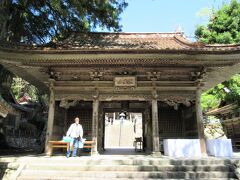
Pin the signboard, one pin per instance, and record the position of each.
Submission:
(126, 81)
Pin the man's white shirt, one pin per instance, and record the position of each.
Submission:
(75, 131)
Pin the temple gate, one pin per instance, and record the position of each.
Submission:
(160, 75)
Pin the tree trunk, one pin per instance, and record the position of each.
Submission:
(5, 11)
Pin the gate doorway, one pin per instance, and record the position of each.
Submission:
(122, 129)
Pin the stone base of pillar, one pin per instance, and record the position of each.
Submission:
(148, 151)
(47, 150)
(94, 153)
(204, 155)
(203, 146)
(47, 154)
(156, 154)
(100, 150)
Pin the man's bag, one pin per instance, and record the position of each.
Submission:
(67, 139)
(81, 143)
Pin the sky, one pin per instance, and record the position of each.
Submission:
(167, 15)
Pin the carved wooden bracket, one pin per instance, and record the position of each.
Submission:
(96, 75)
(153, 76)
(52, 73)
(198, 75)
(176, 102)
(66, 104)
(51, 84)
(154, 94)
(96, 95)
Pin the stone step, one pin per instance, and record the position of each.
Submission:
(76, 178)
(113, 174)
(71, 161)
(80, 167)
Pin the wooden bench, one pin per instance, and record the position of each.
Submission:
(65, 145)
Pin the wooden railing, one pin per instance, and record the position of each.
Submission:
(65, 145)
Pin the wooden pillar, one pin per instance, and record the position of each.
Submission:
(50, 117)
(95, 126)
(148, 129)
(155, 133)
(65, 120)
(114, 117)
(101, 126)
(200, 124)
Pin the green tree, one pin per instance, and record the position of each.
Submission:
(228, 91)
(43, 20)
(223, 28)
(20, 87)
(13, 88)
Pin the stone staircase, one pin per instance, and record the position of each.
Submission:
(7, 169)
(123, 169)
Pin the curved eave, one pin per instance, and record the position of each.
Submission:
(137, 56)
(222, 110)
(210, 50)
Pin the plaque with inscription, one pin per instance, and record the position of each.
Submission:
(129, 81)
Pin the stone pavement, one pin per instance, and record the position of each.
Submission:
(121, 164)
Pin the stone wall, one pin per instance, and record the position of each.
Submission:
(214, 131)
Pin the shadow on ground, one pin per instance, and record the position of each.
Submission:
(121, 151)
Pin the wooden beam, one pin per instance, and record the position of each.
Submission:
(113, 89)
(78, 83)
(71, 70)
(231, 120)
(92, 83)
(126, 96)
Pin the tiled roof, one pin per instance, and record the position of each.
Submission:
(123, 41)
(120, 41)
(222, 110)
(12, 108)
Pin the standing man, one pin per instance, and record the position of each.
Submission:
(75, 131)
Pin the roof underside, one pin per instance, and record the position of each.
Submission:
(150, 52)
